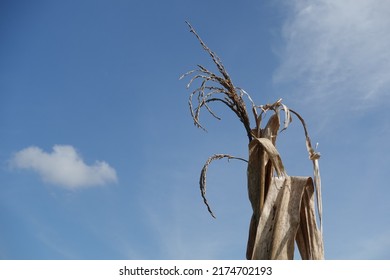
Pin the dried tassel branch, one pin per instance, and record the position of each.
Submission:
(221, 85)
(203, 174)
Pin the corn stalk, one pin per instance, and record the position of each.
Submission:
(283, 206)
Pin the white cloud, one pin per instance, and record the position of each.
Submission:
(64, 167)
(337, 52)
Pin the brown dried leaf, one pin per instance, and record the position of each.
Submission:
(273, 155)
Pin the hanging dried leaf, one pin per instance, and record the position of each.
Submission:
(314, 157)
(288, 215)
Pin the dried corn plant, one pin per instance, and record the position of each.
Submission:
(284, 210)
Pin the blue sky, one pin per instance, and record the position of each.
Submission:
(99, 157)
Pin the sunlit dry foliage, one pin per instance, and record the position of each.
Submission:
(283, 206)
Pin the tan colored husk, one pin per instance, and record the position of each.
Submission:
(283, 206)
(288, 216)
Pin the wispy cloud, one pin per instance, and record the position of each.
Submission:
(337, 52)
(64, 167)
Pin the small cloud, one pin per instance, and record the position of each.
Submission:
(64, 167)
